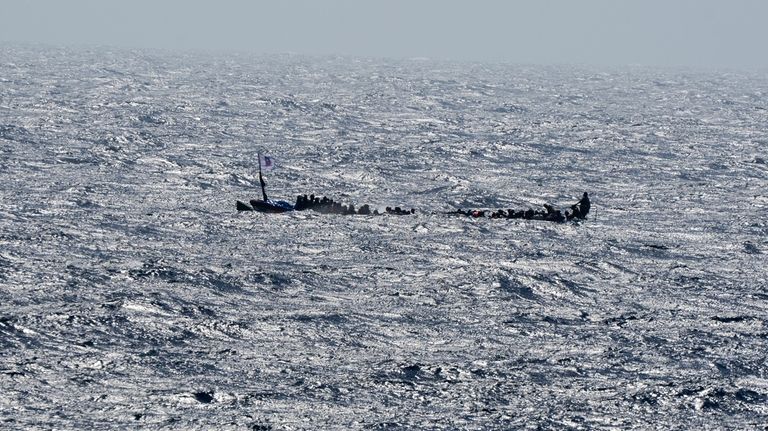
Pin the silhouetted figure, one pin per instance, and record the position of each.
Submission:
(400, 211)
(584, 205)
(301, 203)
(555, 216)
(364, 210)
(575, 212)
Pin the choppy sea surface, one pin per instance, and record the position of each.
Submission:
(134, 296)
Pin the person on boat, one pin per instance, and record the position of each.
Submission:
(301, 203)
(584, 205)
(580, 209)
(555, 216)
(529, 213)
(458, 211)
(575, 212)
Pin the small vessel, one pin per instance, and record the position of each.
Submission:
(265, 205)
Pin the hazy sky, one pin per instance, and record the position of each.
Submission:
(730, 33)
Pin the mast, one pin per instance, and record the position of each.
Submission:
(261, 180)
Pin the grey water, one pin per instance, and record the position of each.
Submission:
(134, 296)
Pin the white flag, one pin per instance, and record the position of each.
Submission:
(267, 163)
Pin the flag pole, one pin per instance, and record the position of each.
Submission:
(261, 180)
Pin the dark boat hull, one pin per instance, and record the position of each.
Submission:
(270, 206)
(242, 206)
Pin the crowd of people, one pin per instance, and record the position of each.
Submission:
(328, 206)
(579, 211)
(325, 205)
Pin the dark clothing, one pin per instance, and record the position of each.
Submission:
(555, 216)
(575, 212)
(528, 215)
(584, 205)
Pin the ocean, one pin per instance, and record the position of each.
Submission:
(134, 296)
